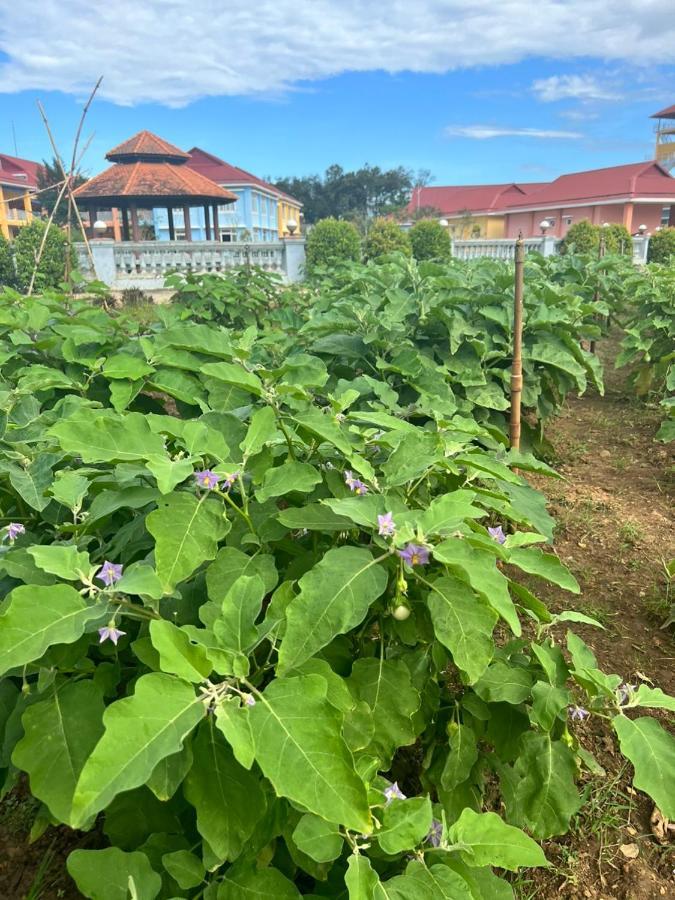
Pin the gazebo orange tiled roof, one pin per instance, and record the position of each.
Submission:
(147, 172)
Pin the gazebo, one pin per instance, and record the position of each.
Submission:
(149, 172)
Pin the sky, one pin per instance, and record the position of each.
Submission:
(473, 90)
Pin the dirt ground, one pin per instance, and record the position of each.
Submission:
(614, 510)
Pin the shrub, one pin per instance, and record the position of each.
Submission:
(331, 242)
(662, 246)
(583, 237)
(429, 240)
(7, 271)
(385, 236)
(618, 239)
(52, 266)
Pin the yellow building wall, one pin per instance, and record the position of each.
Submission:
(286, 211)
(479, 227)
(12, 219)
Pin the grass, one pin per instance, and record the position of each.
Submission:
(630, 534)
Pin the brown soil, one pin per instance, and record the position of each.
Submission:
(614, 510)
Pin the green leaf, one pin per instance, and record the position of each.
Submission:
(299, 747)
(235, 628)
(463, 623)
(545, 797)
(651, 750)
(107, 437)
(32, 481)
(323, 426)
(478, 568)
(113, 874)
(63, 560)
(421, 883)
(140, 579)
(360, 879)
(483, 884)
(59, 734)
(233, 721)
(250, 883)
(317, 838)
(488, 841)
(544, 565)
(150, 725)
(169, 773)
(123, 365)
(288, 477)
(335, 597)
(385, 685)
(231, 373)
(405, 824)
(313, 517)
(652, 698)
(462, 756)
(169, 472)
(177, 654)
(36, 617)
(186, 532)
(504, 683)
(231, 564)
(228, 799)
(548, 703)
(69, 488)
(263, 428)
(186, 869)
(447, 512)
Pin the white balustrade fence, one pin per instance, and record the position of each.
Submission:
(505, 248)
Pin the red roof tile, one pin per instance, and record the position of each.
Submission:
(476, 198)
(148, 181)
(667, 113)
(645, 179)
(14, 170)
(145, 144)
(224, 173)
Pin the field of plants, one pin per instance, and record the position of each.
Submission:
(274, 619)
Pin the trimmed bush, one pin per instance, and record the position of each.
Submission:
(429, 240)
(51, 270)
(385, 236)
(618, 239)
(582, 237)
(662, 246)
(7, 271)
(331, 242)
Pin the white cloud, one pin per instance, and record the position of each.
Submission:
(484, 132)
(174, 52)
(572, 87)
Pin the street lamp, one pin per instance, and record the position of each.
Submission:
(544, 225)
(443, 223)
(292, 226)
(642, 229)
(100, 227)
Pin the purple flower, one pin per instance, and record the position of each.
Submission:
(578, 713)
(354, 484)
(625, 690)
(386, 525)
(207, 479)
(393, 792)
(497, 534)
(436, 833)
(414, 555)
(14, 529)
(249, 700)
(109, 573)
(230, 480)
(110, 633)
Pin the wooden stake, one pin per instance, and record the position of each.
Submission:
(596, 295)
(517, 365)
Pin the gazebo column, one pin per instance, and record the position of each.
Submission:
(188, 224)
(207, 222)
(135, 230)
(92, 219)
(216, 227)
(125, 224)
(172, 227)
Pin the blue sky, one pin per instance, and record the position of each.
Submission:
(289, 89)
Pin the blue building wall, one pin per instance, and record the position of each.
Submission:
(253, 217)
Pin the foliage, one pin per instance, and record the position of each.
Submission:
(662, 246)
(429, 240)
(368, 191)
(330, 243)
(7, 270)
(265, 622)
(649, 343)
(49, 182)
(581, 237)
(617, 239)
(385, 236)
(52, 266)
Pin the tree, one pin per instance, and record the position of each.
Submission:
(7, 271)
(330, 243)
(364, 193)
(662, 246)
(49, 176)
(52, 266)
(618, 239)
(429, 240)
(582, 237)
(385, 236)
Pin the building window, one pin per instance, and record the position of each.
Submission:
(227, 236)
(567, 220)
(665, 215)
(254, 202)
(551, 221)
(179, 234)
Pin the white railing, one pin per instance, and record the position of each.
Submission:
(501, 248)
(13, 214)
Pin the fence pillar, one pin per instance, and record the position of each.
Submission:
(294, 258)
(103, 255)
(548, 245)
(640, 249)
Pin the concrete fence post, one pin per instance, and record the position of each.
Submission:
(640, 249)
(548, 245)
(103, 254)
(294, 258)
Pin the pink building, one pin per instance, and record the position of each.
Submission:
(632, 195)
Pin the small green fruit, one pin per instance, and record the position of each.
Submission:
(401, 613)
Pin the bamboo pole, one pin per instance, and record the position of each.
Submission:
(517, 364)
(596, 295)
